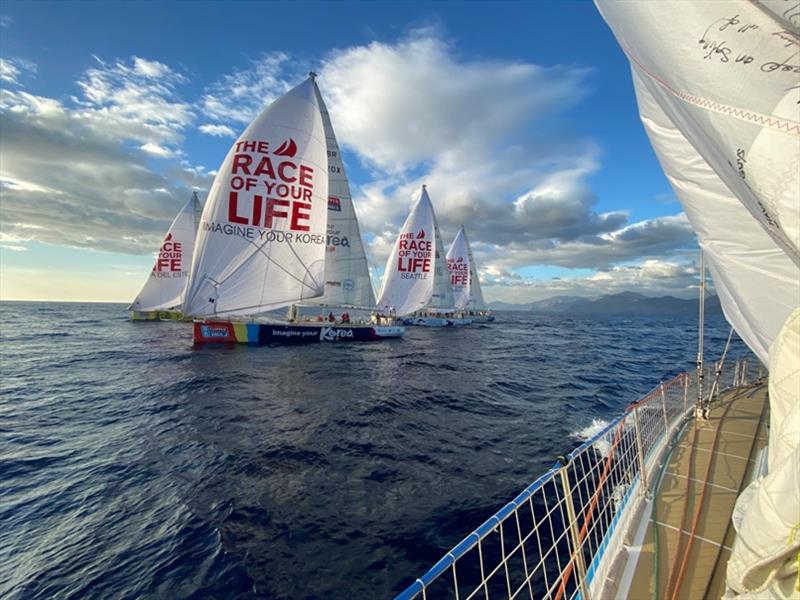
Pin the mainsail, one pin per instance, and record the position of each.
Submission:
(718, 89)
(442, 297)
(409, 277)
(476, 301)
(166, 283)
(261, 243)
(347, 280)
(459, 267)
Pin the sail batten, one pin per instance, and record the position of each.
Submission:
(262, 237)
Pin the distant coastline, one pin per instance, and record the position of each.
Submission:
(625, 303)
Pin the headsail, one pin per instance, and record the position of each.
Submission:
(261, 243)
(459, 267)
(347, 280)
(717, 87)
(166, 283)
(409, 277)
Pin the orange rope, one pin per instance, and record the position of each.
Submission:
(698, 510)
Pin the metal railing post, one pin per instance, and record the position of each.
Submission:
(735, 381)
(580, 565)
(664, 408)
(685, 392)
(639, 451)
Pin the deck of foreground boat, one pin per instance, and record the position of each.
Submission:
(742, 434)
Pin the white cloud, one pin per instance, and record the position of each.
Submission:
(241, 95)
(151, 68)
(650, 277)
(75, 173)
(13, 248)
(217, 130)
(12, 68)
(403, 104)
(157, 150)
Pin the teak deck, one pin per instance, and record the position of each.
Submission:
(743, 432)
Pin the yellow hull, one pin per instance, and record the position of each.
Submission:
(158, 315)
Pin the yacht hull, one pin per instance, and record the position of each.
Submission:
(263, 334)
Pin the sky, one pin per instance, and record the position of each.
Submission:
(520, 118)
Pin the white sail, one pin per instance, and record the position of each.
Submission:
(409, 276)
(476, 301)
(261, 243)
(442, 297)
(718, 88)
(458, 265)
(719, 94)
(347, 280)
(166, 283)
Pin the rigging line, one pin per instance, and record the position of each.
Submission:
(305, 267)
(260, 249)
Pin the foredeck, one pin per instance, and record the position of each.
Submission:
(724, 450)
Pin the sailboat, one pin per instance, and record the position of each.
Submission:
(262, 241)
(415, 283)
(465, 280)
(161, 295)
(669, 501)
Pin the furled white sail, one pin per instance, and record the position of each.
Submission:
(442, 297)
(409, 276)
(718, 89)
(476, 301)
(458, 265)
(347, 280)
(166, 283)
(261, 243)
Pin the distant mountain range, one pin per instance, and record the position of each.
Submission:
(625, 303)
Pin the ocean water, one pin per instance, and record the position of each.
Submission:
(133, 465)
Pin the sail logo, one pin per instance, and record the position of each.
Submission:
(459, 271)
(267, 192)
(169, 257)
(348, 285)
(334, 204)
(329, 334)
(414, 255)
(287, 148)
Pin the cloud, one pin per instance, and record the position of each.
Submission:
(77, 173)
(239, 96)
(217, 130)
(12, 68)
(651, 277)
(404, 104)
